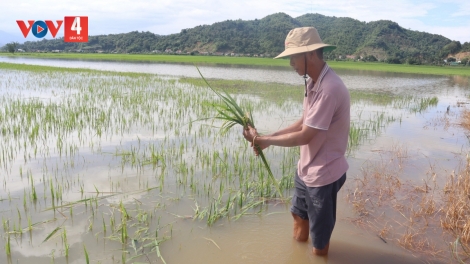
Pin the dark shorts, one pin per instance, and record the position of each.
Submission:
(318, 205)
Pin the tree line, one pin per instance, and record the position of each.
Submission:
(378, 40)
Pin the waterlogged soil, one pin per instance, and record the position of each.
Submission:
(110, 167)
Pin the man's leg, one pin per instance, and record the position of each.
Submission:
(321, 252)
(301, 229)
(321, 202)
(299, 211)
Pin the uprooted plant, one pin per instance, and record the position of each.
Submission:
(232, 114)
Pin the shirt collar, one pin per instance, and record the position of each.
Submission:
(315, 86)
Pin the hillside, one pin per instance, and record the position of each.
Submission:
(383, 39)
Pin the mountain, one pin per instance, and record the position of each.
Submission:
(383, 39)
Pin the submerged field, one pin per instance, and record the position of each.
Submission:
(109, 167)
(253, 61)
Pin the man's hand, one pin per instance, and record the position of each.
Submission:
(249, 133)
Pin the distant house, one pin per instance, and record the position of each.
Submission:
(20, 50)
(55, 51)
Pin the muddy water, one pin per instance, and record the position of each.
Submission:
(430, 138)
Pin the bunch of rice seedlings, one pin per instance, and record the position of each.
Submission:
(232, 114)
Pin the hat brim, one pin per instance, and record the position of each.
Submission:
(293, 51)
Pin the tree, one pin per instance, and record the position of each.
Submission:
(393, 60)
(451, 48)
(414, 61)
(11, 47)
(370, 58)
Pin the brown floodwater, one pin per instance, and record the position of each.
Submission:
(408, 142)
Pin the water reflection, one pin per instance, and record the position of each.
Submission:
(461, 81)
(363, 80)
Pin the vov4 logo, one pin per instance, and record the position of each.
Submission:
(75, 28)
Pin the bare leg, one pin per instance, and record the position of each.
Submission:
(301, 229)
(321, 252)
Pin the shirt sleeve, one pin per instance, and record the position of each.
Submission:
(320, 112)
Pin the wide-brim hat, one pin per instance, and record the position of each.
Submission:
(304, 39)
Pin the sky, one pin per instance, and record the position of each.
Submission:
(450, 18)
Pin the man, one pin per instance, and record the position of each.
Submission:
(322, 134)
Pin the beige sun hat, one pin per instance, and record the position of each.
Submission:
(304, 39)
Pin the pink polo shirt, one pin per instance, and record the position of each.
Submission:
(326, 108)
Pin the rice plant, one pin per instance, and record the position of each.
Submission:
(232, 114)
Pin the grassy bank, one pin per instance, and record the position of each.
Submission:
(252, 61)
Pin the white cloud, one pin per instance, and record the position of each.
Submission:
(461, 33)
(463, 10)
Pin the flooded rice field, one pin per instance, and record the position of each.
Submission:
(121, 166)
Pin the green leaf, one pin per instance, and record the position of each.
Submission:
(51, 234)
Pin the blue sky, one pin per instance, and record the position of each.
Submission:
(450, 18)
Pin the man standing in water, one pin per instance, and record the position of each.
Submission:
(322, 134)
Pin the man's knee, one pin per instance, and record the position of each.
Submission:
(301, 228)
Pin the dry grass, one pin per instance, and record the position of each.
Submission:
(457, 204)
(416, 217)
(465, 120)
(432, 220)
(377, 184)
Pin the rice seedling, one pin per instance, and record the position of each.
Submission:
(66, 244)
(231, 113)
(51, 234)
(7, 246)
(87, 259)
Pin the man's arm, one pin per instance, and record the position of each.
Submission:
(250, 132)
(288, 139)
(296, 126)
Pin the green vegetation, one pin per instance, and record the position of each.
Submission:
(162, 58)
(11, 47)
(250, 61)
(378, 40)
(232, 114)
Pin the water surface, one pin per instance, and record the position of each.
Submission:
(96, 132)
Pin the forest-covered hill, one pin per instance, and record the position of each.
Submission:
(382, 40)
